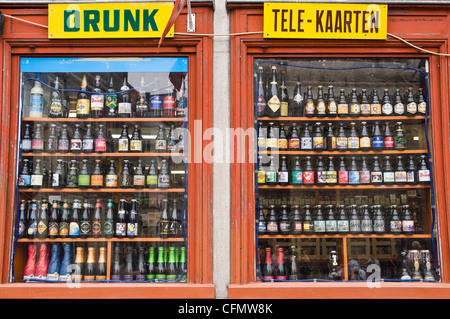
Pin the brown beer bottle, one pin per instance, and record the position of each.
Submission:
(89, 271)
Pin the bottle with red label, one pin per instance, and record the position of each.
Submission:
(100, 141)
(309, 172)
(280, 271)
(282, 139)
(343, 172)
(376, 175)
(423, 173)
(169, 102)
(364, 172)
(388, 139)
(321, 172)
(267, 269)
(294, 140)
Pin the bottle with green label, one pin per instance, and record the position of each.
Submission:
(151, 179)
(84, 178)
(160, 269)
(151, 264)
(171, 267)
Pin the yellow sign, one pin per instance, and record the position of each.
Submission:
(109, 20)
(325, 21)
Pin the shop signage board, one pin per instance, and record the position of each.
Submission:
(109, 20)
(325, 21)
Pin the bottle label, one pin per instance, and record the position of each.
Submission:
(365, 109)
(388, 142)
(355, 108)
(284, 226)
(294, 143)
(387, 109)
(262, 227)
(318, 143)
(298, 226)
(160, 145)
(353, 177)
(96, 227)
(309, 108)
(343, 177)
(410, 177)
(298, 98)
(353, 142)
(342, 108)
(37, 144)
(83, 106)
(272, 227)
(55, 107)
(376, 177)
(331, 177)
(355, 225)
(139, 180)
(424, 175)
(321, 177)
(63, 229)
(63, 145)
(24, 180)
(366, 225)
(341, 143)
(375, 109)
(260, 104)
(297, 177)
(85, 227)
(364, 177)
(364, 142)
(396, 226)
(53, 229)
(84, 180)
(284, 109)
(97, 102)
(169, 106)
(36, 103)
(389, 177)
(271, 177)
(26, 145)
(308, 177)
(100, 145)
(36, 180)
(72, 180)
(378, 225)
(124, 108)
(32, 229)
(274, 103)
(76, 145)
(123, 145)
(422, 107)
(163, 181)
(377, 141)
(111, 102)
(41, 227)
(308, 226)
(121, 229)
(399, 109)
(74, 229)
(411, 108)
(152, 179)
(319, 226)
(283, 177)
(155, 102)
(111, 181)
(332, 107)
(283, 144)
(97, 180)
(306, 143)
(135, 145)
(88, 144)
(108, 227)
(321, 108)
(408, 226)
(342, 226)
(331, 225)
(400, 177)
(331, 143)
(261, 142)
(400, 142)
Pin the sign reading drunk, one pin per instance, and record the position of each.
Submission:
(325, 21)
(109, 20)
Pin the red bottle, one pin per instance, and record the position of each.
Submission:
(42, 264)
(280, 272)
(30, 266)
(268, 270)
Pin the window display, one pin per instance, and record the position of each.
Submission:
(102, 185)
(343, 177)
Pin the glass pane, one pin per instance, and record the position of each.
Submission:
(102, 187)
(343, 182)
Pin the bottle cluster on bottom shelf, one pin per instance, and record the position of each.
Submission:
(341, 219)
(70, 262)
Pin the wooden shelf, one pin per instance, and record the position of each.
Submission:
(344, 236)
(347, 186)
(142, 239)
(338, 119)
(105, 119)
(101, 190)
(116, 154)
(338, 153)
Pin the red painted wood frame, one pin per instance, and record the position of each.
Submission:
(425, 26)
(22, 39)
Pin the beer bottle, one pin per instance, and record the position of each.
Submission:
(400, 138)
(55, 263)
(171, 268)
(306, 138)
(386, 106)
(308, 173)
(42, 263)
(297, 173)
(58, 175)
(142, 103)
(161, 140)
(116, 269)
(140, 269)
(274, 103)
(321, 172)
(283, 173)
(42, 226)
(97, 175)
(64, 220)
(280, 270)
(355, 107)
(319, 220)
(21, 231)
(124, 108)
(294, 140)
(262, 223)
(331, 103)
(423, 173)
(376, 175)
(343, 223)
(318, 140)
(124, 140)
(378, 220)
(125, 176)
(89, 270)
(139, 176)
(160, 265)
(100, 140)
(411, 171)
(388, 172)
(400, 172)
(76, 142)
(65, 269)
(282, 139)
(395, 222)
(163, 176)
(109, 222)
(354, 221)
(37, 178)
(399, 107)
(74, 224)
(321, 109)
(284, 101)
(80, 264)
(297, 101)
(260, 95)
(85, 221)
(261, 137)
(25, 174)
(375, 104)
(151, 264)
(308, 224)
(330, 139)
(100, 270)
(172, 140)
(364, 172)
(310, 108)
(37, 100)
(272, 141)
(46, 176)
(37, 142)
(271, 172)
(296, 227)
(268, 271)
(353, 138)
(97, 220)
(407, 221)
(87, 144)
(343, 172)
(342, 104)
(152, 176)
(97, 99)
(111, 100)
(136, 142)
(365, 104)
(284, 222)
(411, 105)
(32, 219)
(353, 172)
(366, 221)
(377, 137)
(388, 141)
(293, 269)
(51, 143)
(128, 273)
(83, 101)
(84, 178)
(25, 144)
(341, 138)
(182, 265)
(112, 179)
(364, 139)
(330, 222)
(164, 220)
(64, 141)
(122, 219)
(272, 221)
(421, 103)
(133, 224)
(175, 230)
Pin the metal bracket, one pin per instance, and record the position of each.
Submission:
(191, 22)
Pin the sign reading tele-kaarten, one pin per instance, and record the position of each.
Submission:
(325, 21)
(109, 20)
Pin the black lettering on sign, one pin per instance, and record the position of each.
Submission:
(275, 20)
